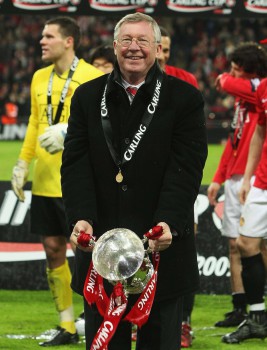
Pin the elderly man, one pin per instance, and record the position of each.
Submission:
(134, 158)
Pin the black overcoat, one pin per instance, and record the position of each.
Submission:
(161, 181)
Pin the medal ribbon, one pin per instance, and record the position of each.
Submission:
(146, 119)
(63, 93)
(237, 125)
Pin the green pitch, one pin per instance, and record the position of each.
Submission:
(9, 151)
(27, 314)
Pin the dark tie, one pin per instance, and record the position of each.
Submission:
(132, 90)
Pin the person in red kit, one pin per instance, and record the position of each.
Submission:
(253, 229)
(248, 67)
(187, 334)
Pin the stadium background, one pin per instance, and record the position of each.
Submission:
(200, 44)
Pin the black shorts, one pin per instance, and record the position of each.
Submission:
(48, 217)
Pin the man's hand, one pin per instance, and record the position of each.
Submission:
(164, 241)
(19, 178)
(244, 190)
(81, 226)
(212, 192)
(52, 140)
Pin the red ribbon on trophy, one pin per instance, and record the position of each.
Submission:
(115, 309)
(141, 310)
(112, 309)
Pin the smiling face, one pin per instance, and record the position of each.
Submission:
(135, 61)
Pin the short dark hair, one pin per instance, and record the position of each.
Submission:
(252, 57)
(164, 32)
(67, 27)
(103, 51)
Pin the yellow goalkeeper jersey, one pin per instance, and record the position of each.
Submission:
(46, 172)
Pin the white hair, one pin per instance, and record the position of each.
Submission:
(135, 18)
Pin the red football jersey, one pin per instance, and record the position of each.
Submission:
(181, 74)
(261, 173)
(234, 157)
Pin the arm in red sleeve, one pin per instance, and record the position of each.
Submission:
(261, 100)
(220, 174)
(244, 89)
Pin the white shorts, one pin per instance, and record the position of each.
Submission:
(253, 222)
(232, 207)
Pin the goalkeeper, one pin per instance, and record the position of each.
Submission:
(51, 91)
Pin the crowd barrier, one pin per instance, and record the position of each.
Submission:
(22, 259)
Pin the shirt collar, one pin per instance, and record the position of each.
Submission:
(125, 84)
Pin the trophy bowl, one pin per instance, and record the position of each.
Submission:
(119, 255)
(137, 283)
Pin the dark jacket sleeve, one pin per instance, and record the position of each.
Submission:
(76, 170)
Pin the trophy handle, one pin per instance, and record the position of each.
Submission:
(154, 233)
(86, 240)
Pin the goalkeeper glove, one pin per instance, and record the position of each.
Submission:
(19, 178)
(52, 140)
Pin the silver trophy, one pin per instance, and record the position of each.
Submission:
(119, 255)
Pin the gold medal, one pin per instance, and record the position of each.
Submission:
(119, 177)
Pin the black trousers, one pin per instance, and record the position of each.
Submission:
(161, 332)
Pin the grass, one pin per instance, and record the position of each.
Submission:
(9, 151)
(29, 313)
(214, 155)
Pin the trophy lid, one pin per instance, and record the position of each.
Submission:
(118, 254)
